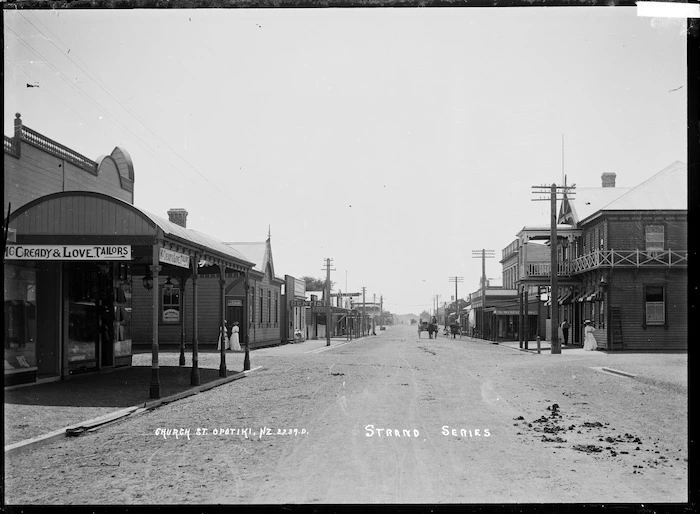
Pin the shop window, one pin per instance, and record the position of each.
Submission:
(277, 308)
(654, 235)
(655, 306)
(20, 318)
(170, 305)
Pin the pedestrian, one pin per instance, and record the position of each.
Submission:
(589, 342)
(565, 331)
(222, 338)
(234, 342)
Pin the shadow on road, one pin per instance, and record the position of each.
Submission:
(122, 388)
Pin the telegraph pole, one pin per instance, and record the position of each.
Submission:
(554, 190)
(381, 313)
(456, 280)
(483, 254)
(328, 301)
(363, 311)
(374, 307)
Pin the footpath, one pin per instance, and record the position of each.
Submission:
(36, 414)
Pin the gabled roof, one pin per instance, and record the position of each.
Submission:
(667, 190)
(259, 252)
(589, 200)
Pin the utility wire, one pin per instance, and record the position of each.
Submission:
(103, 109)
(92, 76)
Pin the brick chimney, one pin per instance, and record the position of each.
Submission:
(178, 216)
(608, 179)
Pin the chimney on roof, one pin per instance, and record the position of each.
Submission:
(608, 179)
(178, 216)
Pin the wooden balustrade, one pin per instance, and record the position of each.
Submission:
(57, 149)
(609, 259)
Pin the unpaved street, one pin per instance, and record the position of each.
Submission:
(390, 418)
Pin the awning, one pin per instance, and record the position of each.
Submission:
(85, 217)
(565, 298)
(585, 296)
(560, 300)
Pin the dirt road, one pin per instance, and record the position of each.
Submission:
(389, 418)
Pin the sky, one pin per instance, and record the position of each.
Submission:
(394, 141)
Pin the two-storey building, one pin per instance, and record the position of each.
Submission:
(621, 263)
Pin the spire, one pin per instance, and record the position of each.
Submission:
(268, 233)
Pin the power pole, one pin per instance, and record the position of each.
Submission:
(554, 190)
(363, 311)
(381, 313)
(374, 307)
(483, 254)
(456, 280)
(328, 301)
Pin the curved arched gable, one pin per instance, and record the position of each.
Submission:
(81, 213)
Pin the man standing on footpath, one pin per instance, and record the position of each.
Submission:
(565, 331)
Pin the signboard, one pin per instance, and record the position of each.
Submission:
(299, 287)
(174, 258)
(234, 303)
(336, 295)
(308, 303)
(68, 252)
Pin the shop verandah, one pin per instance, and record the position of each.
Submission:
(77, 259)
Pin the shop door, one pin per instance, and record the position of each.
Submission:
(234, 313)
(81, 345)
(90, 317)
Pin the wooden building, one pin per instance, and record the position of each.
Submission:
(86, 272)
(265, 295)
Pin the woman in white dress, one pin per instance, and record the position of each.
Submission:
(224, 338)
(235, 343)
(588, 340)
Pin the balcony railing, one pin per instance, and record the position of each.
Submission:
(11, 146)
(608, 259)
(57, 149)
(544, 269)
(630, 259)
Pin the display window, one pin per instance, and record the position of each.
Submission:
(20, 319)
(170, 304)
(122, 312)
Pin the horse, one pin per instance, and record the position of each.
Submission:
(432, 329)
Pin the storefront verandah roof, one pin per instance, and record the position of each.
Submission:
(89, 217)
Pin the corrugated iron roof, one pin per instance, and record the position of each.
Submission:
(196, 237)
(667, 190)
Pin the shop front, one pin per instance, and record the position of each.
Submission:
(71, 276)
(67, 309)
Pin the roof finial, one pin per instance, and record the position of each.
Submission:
(268, 232)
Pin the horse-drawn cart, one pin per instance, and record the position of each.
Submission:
(430, 328)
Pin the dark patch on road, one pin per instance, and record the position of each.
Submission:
(427, 350)
(551, 428)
